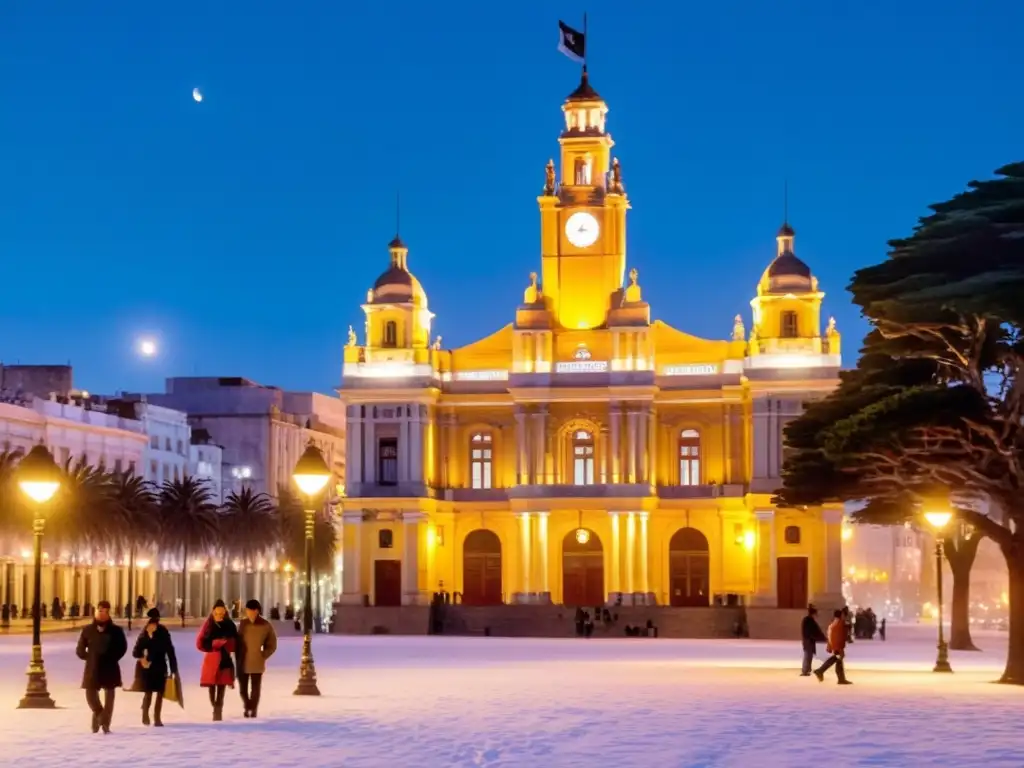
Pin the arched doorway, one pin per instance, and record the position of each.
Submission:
(582, 570)
(481, 568)
(689, 565)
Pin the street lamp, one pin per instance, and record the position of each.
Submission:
(939, 520)
(39, 479)
(311, 475)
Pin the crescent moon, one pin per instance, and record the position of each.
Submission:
(197, 94)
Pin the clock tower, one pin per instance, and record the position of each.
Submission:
(583, 217)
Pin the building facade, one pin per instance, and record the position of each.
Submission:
(262, 430)
(584, 453)
(73, 430)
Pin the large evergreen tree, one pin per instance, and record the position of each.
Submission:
(937, 400)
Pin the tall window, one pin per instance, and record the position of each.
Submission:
(581, 168)
(583, 457)
(390, 334)
(790, 326)
(689, 457)
(387, 461)
(480, 460)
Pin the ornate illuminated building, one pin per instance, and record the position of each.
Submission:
(584, 453)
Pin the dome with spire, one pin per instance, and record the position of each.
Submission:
(397, 285)
(787, 273)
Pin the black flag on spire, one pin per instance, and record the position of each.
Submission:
(572, 43)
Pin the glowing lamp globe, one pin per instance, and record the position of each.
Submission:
(38, 475)
(311, 472)
(938, 520)
(749, 540)
(582, 535)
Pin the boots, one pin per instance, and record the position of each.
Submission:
(146, 699)
(157, 708)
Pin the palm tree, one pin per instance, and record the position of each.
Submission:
(293, 533)
(249, 527)
(136, 511)
(81, 511)
(188, 521)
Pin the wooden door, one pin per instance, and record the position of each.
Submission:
(481, 569)
(387, 582)
(791, 582)
(689, 564)
(582, 570)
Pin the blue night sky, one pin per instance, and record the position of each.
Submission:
(243, 232)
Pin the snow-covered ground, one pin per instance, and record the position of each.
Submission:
(430, 701)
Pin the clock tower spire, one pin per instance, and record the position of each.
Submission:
(583, 217)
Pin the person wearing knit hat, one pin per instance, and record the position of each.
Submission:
(156, 662)
(257, 642)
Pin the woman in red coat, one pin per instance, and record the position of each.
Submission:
(217, 640)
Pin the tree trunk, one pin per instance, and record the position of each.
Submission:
(1014, 672)
(960, 553)
(184, 583)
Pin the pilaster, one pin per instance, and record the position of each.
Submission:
(765, 564)
(352, 587)
(412, 592)
(525, 559)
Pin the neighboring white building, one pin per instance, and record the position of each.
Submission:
(206, 462)
(263, 430)
(73, 429)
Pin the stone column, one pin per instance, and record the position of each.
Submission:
(411, 592)
(630, 558)
(614, 563)
(403, 446)
(369, 448)
(643, 446)
(631, 446)
(727, 444)
(351, 546)
(542, 555)
(354, 446)
(647, 597)
(521, 471)
(416, 469)
(615, 454)
(830, 596)
(765, 568)
(525, 559)
(652, 446)
(539, 428)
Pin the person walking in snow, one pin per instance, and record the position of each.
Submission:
(101, 646)
(837, 637)
(811, 635)
(157, 660)
(257, 642)
(217, 640)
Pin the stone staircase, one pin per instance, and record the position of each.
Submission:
(558, 621)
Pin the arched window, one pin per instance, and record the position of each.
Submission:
(390, 334)
(790, 325)
(582, 171)
(689, 457)
(480, 460)
(583, 457)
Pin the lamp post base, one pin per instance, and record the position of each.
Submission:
(307, 670)
(942, 661)
(36, 694)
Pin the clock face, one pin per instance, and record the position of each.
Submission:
(582, 229)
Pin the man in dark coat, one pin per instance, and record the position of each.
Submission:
(101, 646)
(810, 634)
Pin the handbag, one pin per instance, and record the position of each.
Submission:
(171, 692)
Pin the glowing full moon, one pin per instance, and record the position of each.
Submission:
(197, 94)
(147, 347)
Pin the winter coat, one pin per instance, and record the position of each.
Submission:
(217, 641)
(257, 642)
(811, 634)
(159, 651)
(102, 651)
(837, 637)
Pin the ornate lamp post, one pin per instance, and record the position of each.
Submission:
(311, 475)
(939, 519)
(39, 478)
